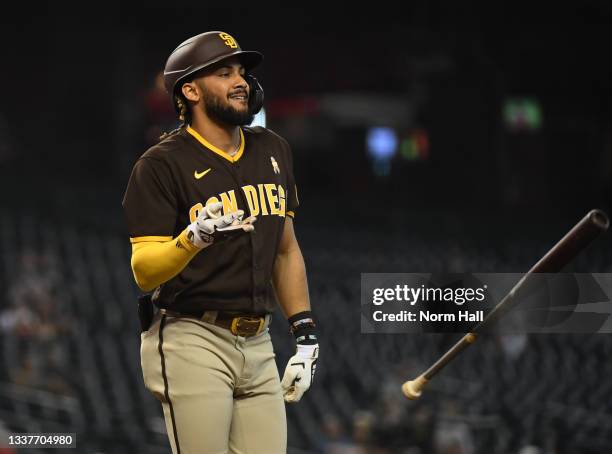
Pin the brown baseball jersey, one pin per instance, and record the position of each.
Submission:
(176, 178)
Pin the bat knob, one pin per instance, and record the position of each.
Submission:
(413, 389)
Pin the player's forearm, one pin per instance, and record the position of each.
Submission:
(154, 263)
(290, 282)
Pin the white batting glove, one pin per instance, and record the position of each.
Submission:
(211, 225)
(299, 372)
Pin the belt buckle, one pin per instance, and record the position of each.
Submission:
(245, 326)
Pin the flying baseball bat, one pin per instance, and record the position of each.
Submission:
(583, 233)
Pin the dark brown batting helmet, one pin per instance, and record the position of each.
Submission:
(201, 51)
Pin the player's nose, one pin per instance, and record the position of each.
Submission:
(241, 83)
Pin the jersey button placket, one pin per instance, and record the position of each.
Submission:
(239, 174)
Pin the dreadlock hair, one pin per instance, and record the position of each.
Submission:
(184, 116)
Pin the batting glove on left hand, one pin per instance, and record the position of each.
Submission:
(299, 372)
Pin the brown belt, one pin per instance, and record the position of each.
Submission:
(245, 325)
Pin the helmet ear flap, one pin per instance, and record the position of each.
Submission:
(256, 94)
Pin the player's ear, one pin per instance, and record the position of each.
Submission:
(190, 91)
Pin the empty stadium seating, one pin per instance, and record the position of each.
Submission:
(556, 392)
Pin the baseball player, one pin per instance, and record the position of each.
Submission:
(210, 216)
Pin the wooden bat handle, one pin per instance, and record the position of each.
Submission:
(412, 388)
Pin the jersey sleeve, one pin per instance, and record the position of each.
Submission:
(292, 197)
(149, 203)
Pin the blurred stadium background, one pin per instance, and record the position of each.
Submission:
(429, 139)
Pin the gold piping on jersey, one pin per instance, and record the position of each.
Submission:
(291, 214)
(139, 239)
(219, 151)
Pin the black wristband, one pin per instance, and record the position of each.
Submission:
(304, 328)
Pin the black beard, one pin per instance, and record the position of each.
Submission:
(226, 113)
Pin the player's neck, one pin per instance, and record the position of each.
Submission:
(224, 137)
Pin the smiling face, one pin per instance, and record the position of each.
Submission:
(222, 93)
